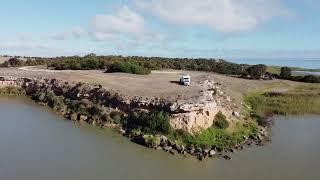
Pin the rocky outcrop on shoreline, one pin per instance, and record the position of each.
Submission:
(160, 142)
(95, 105)
(190, 115)
(196, 114)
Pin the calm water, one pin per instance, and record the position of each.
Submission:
(36, 144)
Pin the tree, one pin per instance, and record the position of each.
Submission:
(14, 62)
(285, 73)
(257, 71)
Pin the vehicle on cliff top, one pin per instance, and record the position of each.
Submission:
(185, 80)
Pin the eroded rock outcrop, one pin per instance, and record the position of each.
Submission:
(197, 114)
(190, 115)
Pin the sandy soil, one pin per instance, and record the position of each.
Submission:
(162, 84)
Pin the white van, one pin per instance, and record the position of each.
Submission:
(185, 80)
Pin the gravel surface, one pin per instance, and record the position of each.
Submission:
(162, 84)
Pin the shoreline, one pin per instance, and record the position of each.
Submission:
(33, 89)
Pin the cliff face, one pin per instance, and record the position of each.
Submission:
(190, 115)
(197, 114)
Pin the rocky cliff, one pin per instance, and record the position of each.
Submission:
(94, 104)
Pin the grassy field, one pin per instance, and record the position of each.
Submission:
(303, 99)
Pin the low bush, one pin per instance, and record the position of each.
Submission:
(116, 117)
(12, 91)
(257, 71)
(220, 121)
(128, 67)
(155, 122)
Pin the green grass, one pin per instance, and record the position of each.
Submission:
(218, 137)
(300, 101)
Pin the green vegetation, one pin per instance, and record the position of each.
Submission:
(220, 121)
(145, 64)
(285, 73)
(257, 71)
(218, 137)
(277, 69)
(302, 100)
(155, 122)
(116, 117)
(151, 140)
(128, 67)
(308, 78)
(88, 63)
(11, 91)
(15, 62)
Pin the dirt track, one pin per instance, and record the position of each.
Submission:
(159, 83)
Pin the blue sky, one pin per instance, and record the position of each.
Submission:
(175, 28)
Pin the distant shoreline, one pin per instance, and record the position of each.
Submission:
(306, 73)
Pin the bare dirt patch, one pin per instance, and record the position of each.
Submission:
(161, 84)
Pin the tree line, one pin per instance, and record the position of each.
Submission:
(144, 65)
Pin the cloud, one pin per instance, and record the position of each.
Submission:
(20, 45)
(74, 33)
(220, 15)
(124, 21)
(29, 48)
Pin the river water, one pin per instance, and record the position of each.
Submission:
(36, 144)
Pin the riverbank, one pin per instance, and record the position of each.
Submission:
(178, 125)
(154, 123)
(53, 148)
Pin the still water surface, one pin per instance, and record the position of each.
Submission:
(36, 144)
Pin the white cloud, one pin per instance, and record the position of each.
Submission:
(101, 36)
(124, 26)
(29, 48)
(74, 33)
(20, 45)
(124, 21)
(220, 15)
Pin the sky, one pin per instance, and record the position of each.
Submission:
(167, 28)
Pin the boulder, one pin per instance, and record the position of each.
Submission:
(236, 114)
(167, 148)
(74, 116)
(212, 153)
(83, 118)
(226, 157)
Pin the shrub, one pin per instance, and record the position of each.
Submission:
(285, 73)
(311, 79)
(13, 62)
(128, 67)
(257, 71)
(220, 121)
(117, 117)
(151, 141)
(143, 65)
(154, 122)
(11, 91)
